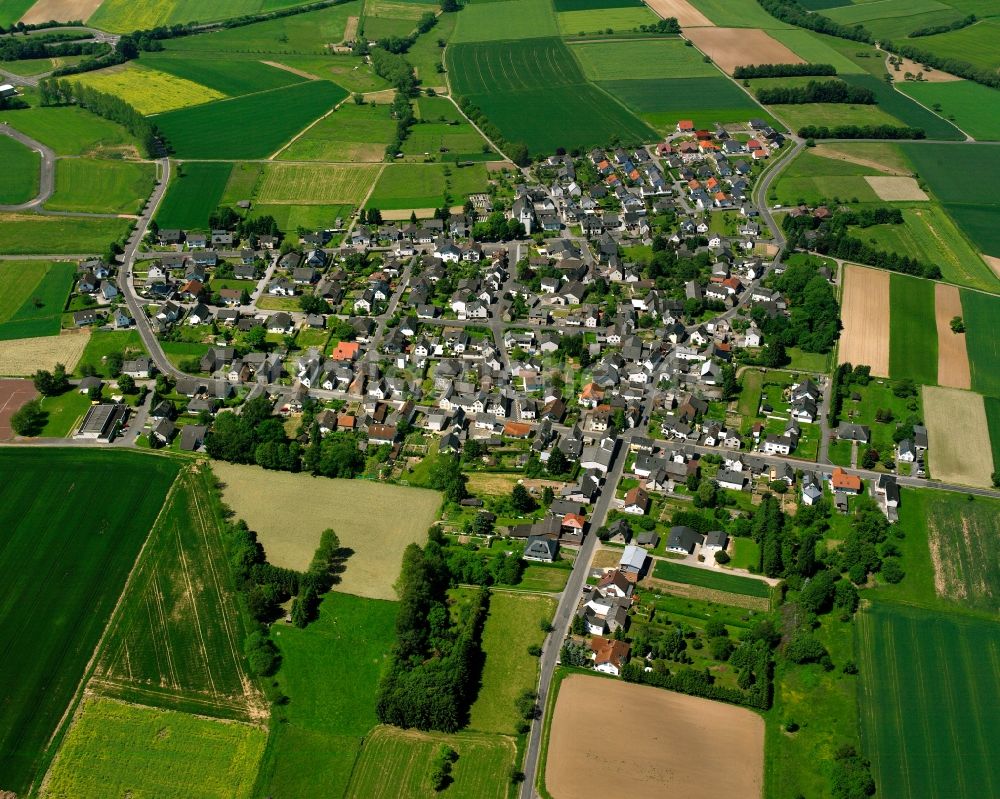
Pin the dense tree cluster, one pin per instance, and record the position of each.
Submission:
(49, 384)
(816, 91)
(932, 30)
(29, 419)
(469, 566)
(446, 476)
(395, 69)
(792, 12)
(783, 71)
(665, 25)
(433, 674)
(49, 45)
(860, 132)
(497, 227)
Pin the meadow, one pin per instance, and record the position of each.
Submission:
(397, 764)
(104, 342)
(814, 49)
(928, 695)
(728, 14)
(413, 186)
(114, 749)
(73, 541)
(232, 129)
(913, 346)
(315, 737)
(958, 453)
(195, 191)
(814, 179)
(101, 186)
(426, 54)
(353, 133)
(993, 420)
(21, 169)
(176, 639)
(640, 59)
(975, 44)
(973, 107)
(312, 217)
(26, 234)
(12, 10)
(513, 624)
(68, 130)
(598, 20)
(832, 114)
(315, 184)
(32, 297)
(444, 141)
(231, 77)
(122, 16)
(705, 578)
(149, 90)
(515, 19)
(904, 109)
(981, 340)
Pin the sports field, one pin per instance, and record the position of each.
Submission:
(958, 452)
(639, 59)
(973, 107)
(233, 129)
(515, 19)
(101, 186)
(928, 700)
(412, 186)
(176, 640)
(913, 342)
(195, 191)
(68, 130)
(122, 750)
(32, 297)
(707, 578)
(282, 509)
(513, 624)
(73, 522)
(397, 764)
(149, 90)
(354, 133)
(865, 313)
(319, 184)
(981, 314)
(231, 77)
(27, 234)
(21, 166)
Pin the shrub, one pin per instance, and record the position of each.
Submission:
(262, 654)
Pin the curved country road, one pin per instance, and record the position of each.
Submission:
(47, 178)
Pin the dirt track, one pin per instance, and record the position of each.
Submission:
(648, 743)
(687, 15)
(736, 47)
(953, 359)
(958, 436)
(865, 314)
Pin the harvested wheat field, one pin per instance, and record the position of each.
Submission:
(60, 10)
(956, 432)
(290, 511)
(655, 741)
(994, 263)
(896, 188)
(865, 314)
(953, 359)
(687, 15)
(736, 47)
(25, 356)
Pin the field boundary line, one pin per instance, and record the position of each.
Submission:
(238, 97)
(306, 129)
(89, 668)
(367, 197)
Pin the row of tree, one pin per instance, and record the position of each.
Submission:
(783, 71)
(792, 12)
(955, 66)
(861, 132)
(815, 91)
(48, 46)
(932, 30)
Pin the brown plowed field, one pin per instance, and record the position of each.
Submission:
(953, 359)
(736, 47)
(687, 15)
(648, 743)
(865, 314)
(957, 436)
(13, 394)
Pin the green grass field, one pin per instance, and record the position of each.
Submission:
(242, 182)
(752, 382)
(425, 54)
(354, 133)
(102, 343)
(68, 130)
(598, 20)
(101, 186)
(591, 5)
(63, 413)
(319, 184)
(729, 14)
(73, 522)
(122, 16)
(195, 191)
(877, 394)
(26, 234)
(515, 19)
(412, 186)
(814, 49)
(813, 179)
(913, 349)
(973, 107)
(21, 169)
(993, 419)
(718, 581)
(512, 626)
(397, 764)
(833, 114)
(928, 695)
(229, 76)
(126, 750)
(188, 654)
(291, 217)
(981, 340)
(975, 44)
(232, 129)
(316, 737)
(543, 578)
(12, 10)
(864, 12)
(32, 297)
(904, 109)
(640, 59)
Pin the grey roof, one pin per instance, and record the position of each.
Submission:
(633, 557)
(683, 537)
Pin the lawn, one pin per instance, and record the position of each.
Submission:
(412, 186)
(73, 542)
(68, 130)
(840, 453)
(543, 578)
(973, 107)
(32, 297)
(397, 764)
(115, 749)
(26, 234)
(352, 133)
(718, 581)
(514, 19)
(283, 510)
(189, 653)
(752, 381)
(315, 738)
(513, 624)
(640, 59)
(63, 413)
(195, 191)
(913, 347)
(21, 169)
(319, 184)
(104, 342)
(928, 698)
(800, 360)
(311, 217)
(230, 77)
(981, 340)
(746, 554)
(101, 186)
(598, 20)
(232, 129)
